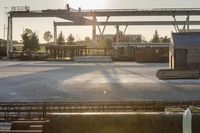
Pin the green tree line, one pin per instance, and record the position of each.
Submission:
(31, 40)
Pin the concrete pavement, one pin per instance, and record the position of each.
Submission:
(69, 81)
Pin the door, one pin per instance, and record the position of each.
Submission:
(180, 59)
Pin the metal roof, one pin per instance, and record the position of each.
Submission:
(186, 38)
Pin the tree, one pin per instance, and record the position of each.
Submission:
(165, 39)
(70, 40)
(2, 48)
(87, 39)
(30, 40)
(144, 40)
(121, 36)
(47, 36)
(34, 43)
(2, 42)
(61, 39)
(108, 43)
(138, 39)
(155, 37)
(126, 39)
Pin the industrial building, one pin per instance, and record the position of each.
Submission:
(184, 50)
(142, 52)
(131, 37)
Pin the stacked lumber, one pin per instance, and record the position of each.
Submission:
(177, 74)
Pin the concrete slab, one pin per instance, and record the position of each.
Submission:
(70, 81)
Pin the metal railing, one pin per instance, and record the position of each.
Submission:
(129, 10)
(10, 111)
(113, 10)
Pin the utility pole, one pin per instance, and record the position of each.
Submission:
(117, 34)
(4, 32)
(55, 33)
(5, 18)
(94, 29)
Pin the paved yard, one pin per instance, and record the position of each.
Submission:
(68, 81)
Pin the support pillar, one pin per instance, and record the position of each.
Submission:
(55, 33)
(99, 30)
(186, 26)
(103, 30)
(94, 30)
(175, 24)
(105, 25)
(117, 34)
(9, 47)
(188, 22)
(4, 31)
(125, 29)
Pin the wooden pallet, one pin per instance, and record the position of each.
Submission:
(177, 74)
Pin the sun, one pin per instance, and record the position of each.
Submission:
(87, 4)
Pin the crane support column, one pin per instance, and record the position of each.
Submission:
(9, 47)
(175, 24)
(117, 34)
(188, 22)
(94, 29)
(105, 26)
(55, 33)
(125, 29)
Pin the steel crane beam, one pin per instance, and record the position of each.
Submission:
(127, 23)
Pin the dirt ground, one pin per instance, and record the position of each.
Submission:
(69, 81)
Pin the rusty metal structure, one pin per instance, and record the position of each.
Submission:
(12, 111)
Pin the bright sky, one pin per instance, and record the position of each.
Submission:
(40, 25)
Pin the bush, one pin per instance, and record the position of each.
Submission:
(2, 48)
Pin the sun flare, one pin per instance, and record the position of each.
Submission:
(88, 4)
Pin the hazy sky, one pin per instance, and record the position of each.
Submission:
(40, 25)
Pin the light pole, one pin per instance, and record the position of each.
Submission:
(5, 18)
(4, 32)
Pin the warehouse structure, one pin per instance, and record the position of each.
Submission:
(185, 50)
(142, 52)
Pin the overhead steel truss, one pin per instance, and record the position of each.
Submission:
(80, 17)
(109, 12)
(10, 111)
(156, 23)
